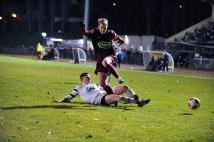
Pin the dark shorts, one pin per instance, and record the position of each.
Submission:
(103, 101)
(101, 68)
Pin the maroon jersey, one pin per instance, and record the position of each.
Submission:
(102, 43)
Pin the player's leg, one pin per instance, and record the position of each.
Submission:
(108, 79)
(101, 78)
(139, 102)
(131, 94)
(108, 64)
(110, 99)
(124, 89)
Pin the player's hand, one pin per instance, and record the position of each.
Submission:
(82, 24)
(119, 40)
(60, 101)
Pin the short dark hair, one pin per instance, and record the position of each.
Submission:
(82, 75)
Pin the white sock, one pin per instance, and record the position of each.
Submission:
(108, 79)
(125, 100)
(130, 93)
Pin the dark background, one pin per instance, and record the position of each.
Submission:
(131, 17)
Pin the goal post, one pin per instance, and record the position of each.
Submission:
(56, 54)
(157, 54)
(79, 55)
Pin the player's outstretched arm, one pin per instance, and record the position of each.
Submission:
(119, 40)
(84, 31)
(82, 24)
(67, 98)
(62, 100)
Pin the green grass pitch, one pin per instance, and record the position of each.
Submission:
(27, 114)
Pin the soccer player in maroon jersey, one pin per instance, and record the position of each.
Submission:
(105, 54)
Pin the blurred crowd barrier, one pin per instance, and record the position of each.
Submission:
(186, 60)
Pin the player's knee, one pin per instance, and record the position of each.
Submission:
(104, 63)
(126, 87)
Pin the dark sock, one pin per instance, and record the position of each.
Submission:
(108, 89)
(112, 70)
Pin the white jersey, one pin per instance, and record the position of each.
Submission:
(89, 93)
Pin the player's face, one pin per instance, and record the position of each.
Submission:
(86, 79)
(102, 28)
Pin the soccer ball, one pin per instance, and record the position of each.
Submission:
(194, 103)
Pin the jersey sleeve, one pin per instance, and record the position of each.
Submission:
(113, 34)
(73, 94)
(88, 33)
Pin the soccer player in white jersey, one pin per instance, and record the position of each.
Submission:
(94, 94)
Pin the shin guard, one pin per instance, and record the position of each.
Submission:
(130, 93)
(125, 100)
